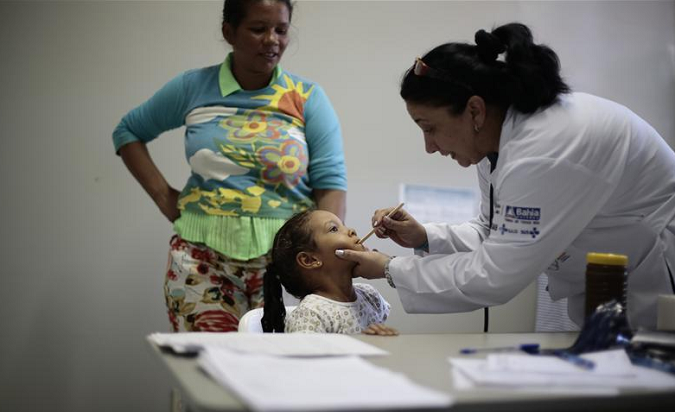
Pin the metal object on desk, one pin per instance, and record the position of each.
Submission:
(654, 350)
(665, 313)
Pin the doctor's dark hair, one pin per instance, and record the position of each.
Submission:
(528, 78)
(294, 237)
(234, 11)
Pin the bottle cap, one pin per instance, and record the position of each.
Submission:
(607, 259)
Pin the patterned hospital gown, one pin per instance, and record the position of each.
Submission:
(317, 314)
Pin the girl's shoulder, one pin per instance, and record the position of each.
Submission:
(313, 314)
(316, 304)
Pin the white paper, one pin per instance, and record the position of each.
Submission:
(461, 382)
(613, 370)
(280, 344)
(266, 383)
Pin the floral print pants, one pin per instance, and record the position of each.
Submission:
(206, 291)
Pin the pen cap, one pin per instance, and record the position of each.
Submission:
(530, 348)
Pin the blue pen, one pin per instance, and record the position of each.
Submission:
(574, 359)
(525, 347)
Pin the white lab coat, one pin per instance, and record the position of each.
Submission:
(584, 175)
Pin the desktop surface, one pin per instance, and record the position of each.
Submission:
(423, 358)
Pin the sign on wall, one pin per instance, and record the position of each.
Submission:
(430, 204)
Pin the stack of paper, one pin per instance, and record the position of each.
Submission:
(613, 370)
(282, 344)
(295, 372)
(266, 383)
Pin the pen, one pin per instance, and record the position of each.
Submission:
(574, 359)
(533, 349)
(391, 213)
(525, 347)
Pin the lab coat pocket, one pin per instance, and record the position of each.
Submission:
(645, 282)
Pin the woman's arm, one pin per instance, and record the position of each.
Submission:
(334, 201)
(137, 159)
(165, 110)
(327, 172)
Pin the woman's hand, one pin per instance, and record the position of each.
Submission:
(369, 264)
(137, 159)
(168, 204)
(401, 227)
(380, 329)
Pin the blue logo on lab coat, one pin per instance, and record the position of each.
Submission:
(504, 229)
(534, 232)
(522, 213)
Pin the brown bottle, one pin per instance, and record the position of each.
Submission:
(605, 280)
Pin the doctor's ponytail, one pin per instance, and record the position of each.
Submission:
(534, 68)
(505, 68)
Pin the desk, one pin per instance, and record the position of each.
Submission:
(423, 358)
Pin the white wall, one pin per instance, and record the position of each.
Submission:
(84, 249)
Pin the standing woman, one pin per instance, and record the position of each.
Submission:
(565, 173)
(262, 144)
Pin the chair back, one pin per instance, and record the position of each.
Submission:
(251, 321)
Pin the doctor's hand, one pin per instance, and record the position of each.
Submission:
(401, 227)
(369, 264)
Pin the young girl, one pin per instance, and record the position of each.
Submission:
(304, 262)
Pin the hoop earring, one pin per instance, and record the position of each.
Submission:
(476, 128)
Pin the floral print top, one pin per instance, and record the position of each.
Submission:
(252, 153)
(317, 314)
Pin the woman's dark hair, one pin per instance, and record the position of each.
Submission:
(234, 11)
(528, 79)
(294, 237)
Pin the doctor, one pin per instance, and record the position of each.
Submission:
(565, 173)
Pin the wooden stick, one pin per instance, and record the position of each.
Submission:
(390, 214)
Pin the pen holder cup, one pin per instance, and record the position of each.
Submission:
(606, 276)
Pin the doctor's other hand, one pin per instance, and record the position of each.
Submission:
(379, 329)
(401, 227)
(369, 264)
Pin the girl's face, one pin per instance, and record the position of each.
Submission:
(329, 235)
(448, 134)
(261, 39)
